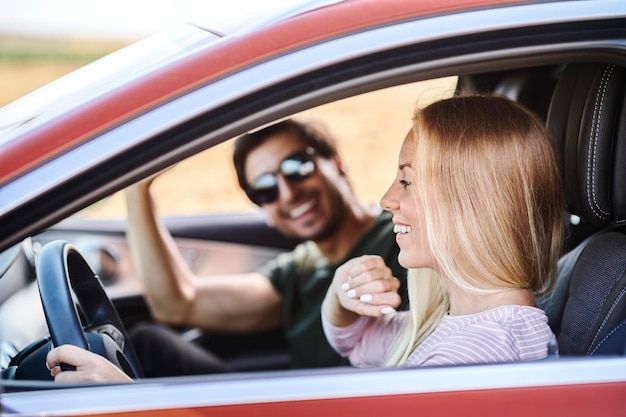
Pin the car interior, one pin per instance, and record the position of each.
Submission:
(587, 119)
(584, 106)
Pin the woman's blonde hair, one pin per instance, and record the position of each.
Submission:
(486, 173)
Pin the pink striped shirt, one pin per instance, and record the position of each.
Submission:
(503, 334)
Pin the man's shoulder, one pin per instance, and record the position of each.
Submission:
(384, 218)
(380, 236)
(306, 252)
(382, 228)
(299, 262)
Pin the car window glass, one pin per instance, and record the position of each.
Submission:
(369, 129)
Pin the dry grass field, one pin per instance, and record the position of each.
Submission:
(369, 129)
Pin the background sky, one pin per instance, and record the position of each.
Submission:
(42, 40)
(123, 20)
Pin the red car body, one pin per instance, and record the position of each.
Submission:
(63, 126)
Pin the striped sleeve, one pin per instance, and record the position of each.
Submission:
(366, 341)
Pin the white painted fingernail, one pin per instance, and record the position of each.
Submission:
(345, 286)
(387, 310)
(352, 293)
(366, 298)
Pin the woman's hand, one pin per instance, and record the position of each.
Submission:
(89, 366)
(363, 285)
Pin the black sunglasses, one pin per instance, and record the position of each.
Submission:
(294, 168)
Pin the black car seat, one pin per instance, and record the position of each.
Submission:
(587, 116)
(530, 86)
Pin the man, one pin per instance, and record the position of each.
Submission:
(293, 172)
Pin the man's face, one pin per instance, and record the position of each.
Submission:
(309, 209)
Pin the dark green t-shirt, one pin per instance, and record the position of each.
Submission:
(303, 276)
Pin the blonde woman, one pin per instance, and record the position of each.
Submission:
(477, 208)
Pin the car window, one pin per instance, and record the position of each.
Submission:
(369, 129)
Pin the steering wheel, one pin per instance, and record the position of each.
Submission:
(61, 267)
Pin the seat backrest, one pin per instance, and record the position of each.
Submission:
(587, 117)
(529, 86)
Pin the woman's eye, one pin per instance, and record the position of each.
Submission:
(404, 183)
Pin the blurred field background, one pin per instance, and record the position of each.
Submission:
(369, 129)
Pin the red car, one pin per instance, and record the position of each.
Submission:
(181, 93)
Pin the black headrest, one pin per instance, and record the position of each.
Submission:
(587, 118)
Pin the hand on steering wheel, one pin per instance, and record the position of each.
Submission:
(61, 267)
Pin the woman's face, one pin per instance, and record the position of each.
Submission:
(408, 218)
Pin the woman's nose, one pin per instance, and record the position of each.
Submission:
(389, 201)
